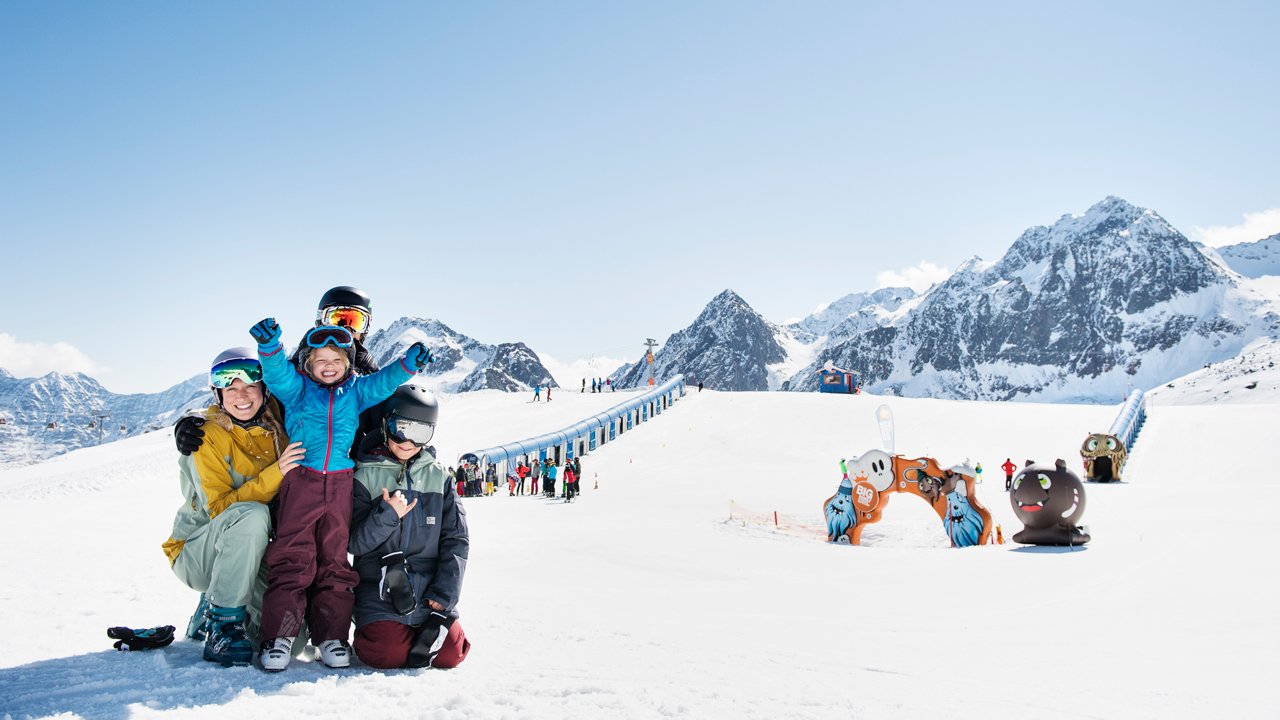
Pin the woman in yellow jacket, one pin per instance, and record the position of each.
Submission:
(222, 529)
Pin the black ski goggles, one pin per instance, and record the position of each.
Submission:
(338, 337)
(405, 430)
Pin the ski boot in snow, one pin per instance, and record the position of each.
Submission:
(335, 653)
(198, 627)
(275, 655)
(227, 644)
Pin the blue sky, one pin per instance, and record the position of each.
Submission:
(580, 176)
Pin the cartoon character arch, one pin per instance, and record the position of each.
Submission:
(870, 481)
(1104, 456)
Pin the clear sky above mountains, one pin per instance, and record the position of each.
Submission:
(580, 176)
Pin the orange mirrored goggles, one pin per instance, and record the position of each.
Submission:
(353, 318)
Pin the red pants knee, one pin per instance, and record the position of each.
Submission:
(385, 644)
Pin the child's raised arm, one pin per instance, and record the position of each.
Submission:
(373, 389)
(283, 382)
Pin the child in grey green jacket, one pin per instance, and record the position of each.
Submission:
(409, 538)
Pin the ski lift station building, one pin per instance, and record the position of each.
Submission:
(835, 380)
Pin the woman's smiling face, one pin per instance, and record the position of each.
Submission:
(242, 400)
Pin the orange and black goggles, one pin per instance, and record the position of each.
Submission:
(355, 319)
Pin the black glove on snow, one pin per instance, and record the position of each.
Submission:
(188, 434)
(148, 639)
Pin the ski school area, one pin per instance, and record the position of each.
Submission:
(649, 597)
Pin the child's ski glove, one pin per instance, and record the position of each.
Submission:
(395, 585)
(266, 331)
(148, 639)
(417, 357)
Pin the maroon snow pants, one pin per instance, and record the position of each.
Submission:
(307, 563)
(385, 644)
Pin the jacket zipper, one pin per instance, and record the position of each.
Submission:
(328, 448)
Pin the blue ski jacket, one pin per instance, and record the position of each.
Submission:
(324, 419)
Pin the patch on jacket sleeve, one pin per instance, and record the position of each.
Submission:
(431, 519)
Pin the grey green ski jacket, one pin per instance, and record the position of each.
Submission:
(433, 536)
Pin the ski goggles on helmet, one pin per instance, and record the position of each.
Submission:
(355, 319)
(224, 373)
(338, 337)
(405, 430)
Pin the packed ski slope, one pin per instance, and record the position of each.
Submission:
(641, 600)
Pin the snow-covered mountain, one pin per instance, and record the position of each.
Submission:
(461, 363)
(73, 403)
(47, 416)
(1250, 378)
(1254, 259)
(1080, 310)
(728, 347)
(855, 312)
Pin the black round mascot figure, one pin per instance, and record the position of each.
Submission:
(1049, 502)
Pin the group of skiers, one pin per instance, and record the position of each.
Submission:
(473, 483)
(298, 462)
(598, 385)
(541, 476)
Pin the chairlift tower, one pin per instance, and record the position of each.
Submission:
(100, 424)
(650, 344)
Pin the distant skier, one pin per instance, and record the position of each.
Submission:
(549, 479)
(1009, 469)
(537, 392)
(522, 471)
(567, 492)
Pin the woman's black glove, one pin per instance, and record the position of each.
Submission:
(188, 434)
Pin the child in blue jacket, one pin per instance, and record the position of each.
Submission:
(308, 568)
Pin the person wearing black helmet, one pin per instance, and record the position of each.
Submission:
(345, 306)
(410, 542)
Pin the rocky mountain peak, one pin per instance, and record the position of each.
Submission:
(461, 363)
(729, 347)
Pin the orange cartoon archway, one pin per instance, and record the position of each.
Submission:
(871, 479)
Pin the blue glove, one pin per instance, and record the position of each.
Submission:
(417, 357)
(266, 332)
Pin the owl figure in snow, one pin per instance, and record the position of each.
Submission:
(1103, 456)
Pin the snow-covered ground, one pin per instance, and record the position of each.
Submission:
(642, 600)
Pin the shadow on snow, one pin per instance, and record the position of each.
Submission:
(105, 684)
